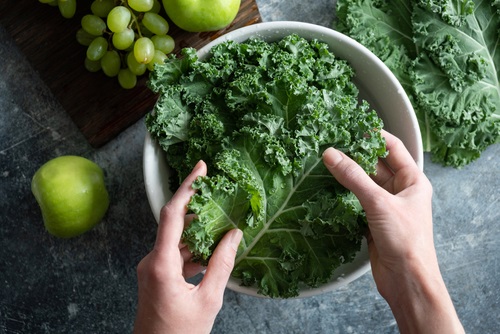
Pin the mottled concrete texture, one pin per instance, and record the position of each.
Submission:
(88, 284)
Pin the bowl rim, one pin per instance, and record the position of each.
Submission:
(273, 31)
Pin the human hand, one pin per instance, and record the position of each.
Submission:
(167, 303)
(397, 201)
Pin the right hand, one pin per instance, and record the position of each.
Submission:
(397, 202)
(398, 206)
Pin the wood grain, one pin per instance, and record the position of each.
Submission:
(99, 107)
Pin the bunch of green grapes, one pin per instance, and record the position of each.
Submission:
(66, 7)
(125, 38)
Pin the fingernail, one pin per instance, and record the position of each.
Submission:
(332, 157)
(198, 165)
(235, 239)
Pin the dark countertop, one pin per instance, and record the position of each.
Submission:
(88, 284)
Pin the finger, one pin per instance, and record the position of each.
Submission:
(172, 214)
(398, 156)
(221, 263)
(384, 173)
(350, 175)
(185, 254)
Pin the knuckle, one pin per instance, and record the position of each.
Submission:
(141, 269)
(354, 178)
(167, 210)
(151, 269)
(213, 301)
(350, 171)
(394, 143)
(426, 184)
(226, 264)
(223, 260)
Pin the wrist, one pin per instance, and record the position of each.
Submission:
(421, 303)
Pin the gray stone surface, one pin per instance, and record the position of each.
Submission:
(88, 284)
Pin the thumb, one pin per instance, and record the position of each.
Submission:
(222, 262)
(349, 174)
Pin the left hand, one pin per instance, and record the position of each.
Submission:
(167, 303)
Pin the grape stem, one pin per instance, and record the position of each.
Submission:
(134, 19)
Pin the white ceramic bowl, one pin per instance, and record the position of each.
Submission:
(377, 85)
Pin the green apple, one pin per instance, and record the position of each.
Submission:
(201, 15)
(72, 195)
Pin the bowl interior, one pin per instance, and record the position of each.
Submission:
(377, 85)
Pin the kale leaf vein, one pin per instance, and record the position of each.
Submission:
(260, 115)
(444, 53)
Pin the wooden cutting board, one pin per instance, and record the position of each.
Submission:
(99, 107)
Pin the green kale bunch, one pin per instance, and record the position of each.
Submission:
(260, 115)
(445, 54)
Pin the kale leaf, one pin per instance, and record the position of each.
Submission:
(260, 115)
(445, 54)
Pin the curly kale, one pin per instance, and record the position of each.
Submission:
(260, 115)
(446, 56)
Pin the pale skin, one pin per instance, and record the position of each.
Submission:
(167, 303)
(404, 264)
(397, 202)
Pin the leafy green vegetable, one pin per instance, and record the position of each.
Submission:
(260, 115)
(445, 54)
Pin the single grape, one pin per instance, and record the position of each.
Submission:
(94, 25)
(49, 2)
(123, 40)
(134, 66)
(126, 78)
(102, 8)
(97, 48)
(83, 37)
(67, 8)
(141, 5)
(119, 18)
(110, 63)
(155, 23)
(92, 65)
(156, 7)
(158, 58)
(164, 43)
(144, 50)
